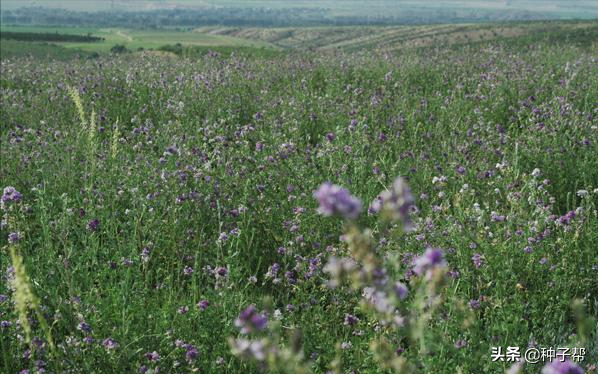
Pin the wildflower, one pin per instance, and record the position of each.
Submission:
(191, 353)
(93, 225)
(567, 218)
(145, 255)
(582, 193)
(497, 217)
(273, 271)
(334, 199)
(14, 237)
(337, 268)
(11, 194)
(564, 367)
(110, 343)
(516, 368)
(84, 326)
(350, 320)
(250, 320)
(475, 304)
(153, 356)
(203, 304)
(248, 348)
(431, 259)
(221, 271)
(378, 299)
(478, 260)
(401, 290)
(396, 202)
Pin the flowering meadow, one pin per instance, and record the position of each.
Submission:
(415, 211)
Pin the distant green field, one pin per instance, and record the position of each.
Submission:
(134, 39)
(265, 41)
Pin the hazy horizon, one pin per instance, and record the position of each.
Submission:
(587, 7)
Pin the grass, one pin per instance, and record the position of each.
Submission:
(162, 196)
(51, 51)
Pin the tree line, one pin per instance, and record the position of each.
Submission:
(48, 37)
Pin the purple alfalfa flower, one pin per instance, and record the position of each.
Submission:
(401, 290)
(14, 237)
(273, 271)
(497, 217)
(562, 367)
(251, 320)
(350, 320)
(191, 353)
(110, 343)
(338, 268)
(11, 194)
(426, 263)
(221, 272)
(84, 326)
(145, 255)
(567, 218)
(203, 304)
(153, 356)
(5, 324)
(188, 270)
(396, 202)
(378, 299)
(478, 260)
(335, 200)
(291, 277)
(248, 348)
(475, 304)
(93, 225)
(3, 298)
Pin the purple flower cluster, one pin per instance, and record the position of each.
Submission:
(396, 202)
(562, 367)
(335, 200)
(426, 263)
(566, 218)
(11, 194)
(250, 320)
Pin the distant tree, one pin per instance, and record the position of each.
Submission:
(118, 49)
